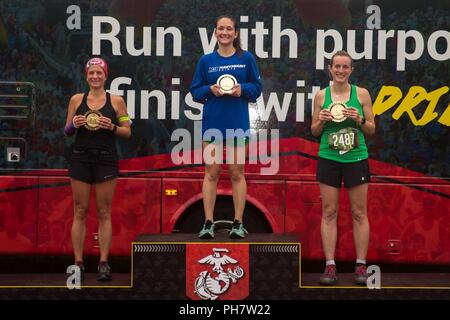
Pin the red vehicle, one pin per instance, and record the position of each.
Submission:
(409, 195)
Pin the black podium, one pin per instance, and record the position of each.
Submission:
(181, 266)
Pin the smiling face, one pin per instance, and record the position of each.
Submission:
(226, 31)
(340, 68)
(95, 76)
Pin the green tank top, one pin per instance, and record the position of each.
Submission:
(356, 153)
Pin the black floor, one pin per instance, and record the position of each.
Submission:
(56, 280)
(388, 280)
(308, 280)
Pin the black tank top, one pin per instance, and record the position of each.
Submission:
(100, 139)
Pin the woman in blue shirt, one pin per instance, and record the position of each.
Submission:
(225, 117)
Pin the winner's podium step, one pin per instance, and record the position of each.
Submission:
(219, 237)
(182, 266)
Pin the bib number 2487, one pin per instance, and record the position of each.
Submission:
(343, 140)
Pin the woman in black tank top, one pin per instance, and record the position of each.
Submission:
(96, 118)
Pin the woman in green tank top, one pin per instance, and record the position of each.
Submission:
(342, 115)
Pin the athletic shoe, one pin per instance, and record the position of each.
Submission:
(329, 276)
(104, 272)
(237, 231)
(361, 274)
(207, 231)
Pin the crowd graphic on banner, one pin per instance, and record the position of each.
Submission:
(35, 47)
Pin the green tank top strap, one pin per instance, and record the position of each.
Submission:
(328, 99)
(353, 101)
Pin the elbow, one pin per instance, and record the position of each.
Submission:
(127, 134)
(197, 99)
(194, 95)
(253, 97)
(316, 133)
(251, 91)
(258, 91)
(198, 95)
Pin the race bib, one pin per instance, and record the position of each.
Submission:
(344, 140)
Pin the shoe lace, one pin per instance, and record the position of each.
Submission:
(330, 270)
(208, 225)
(361, 270)
(103, 268)
(236, 224)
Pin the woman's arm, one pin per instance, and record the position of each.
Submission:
(200, 89)
(123, 130)
(251, 90)
(320, 116)
(73, 122)
(368, 127)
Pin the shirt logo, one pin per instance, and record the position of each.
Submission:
(226, 68)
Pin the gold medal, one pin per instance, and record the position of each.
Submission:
(92, 120)
(336, 110)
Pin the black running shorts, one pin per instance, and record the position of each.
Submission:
(333, 173)
(93, 166)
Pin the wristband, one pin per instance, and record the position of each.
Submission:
(70, 129)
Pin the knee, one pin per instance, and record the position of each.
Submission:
(330, 213)
(359, 215)
(236, 174)
(212, 174)
(80, 212)
(104, 213)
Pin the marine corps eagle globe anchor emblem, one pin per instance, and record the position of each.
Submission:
(208, 287)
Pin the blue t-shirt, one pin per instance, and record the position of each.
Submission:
(226, 112)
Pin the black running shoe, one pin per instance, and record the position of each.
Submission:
(104, 272)
(207, 231)
(237, 231)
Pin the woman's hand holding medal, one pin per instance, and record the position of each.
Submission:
(352, 113)
(215, 89)
(226, 84)
(93, 121)
(105, 123)
(338, 112)
(236, 91)
(78, 121)
(325, 115)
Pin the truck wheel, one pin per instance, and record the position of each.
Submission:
(193, 218)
